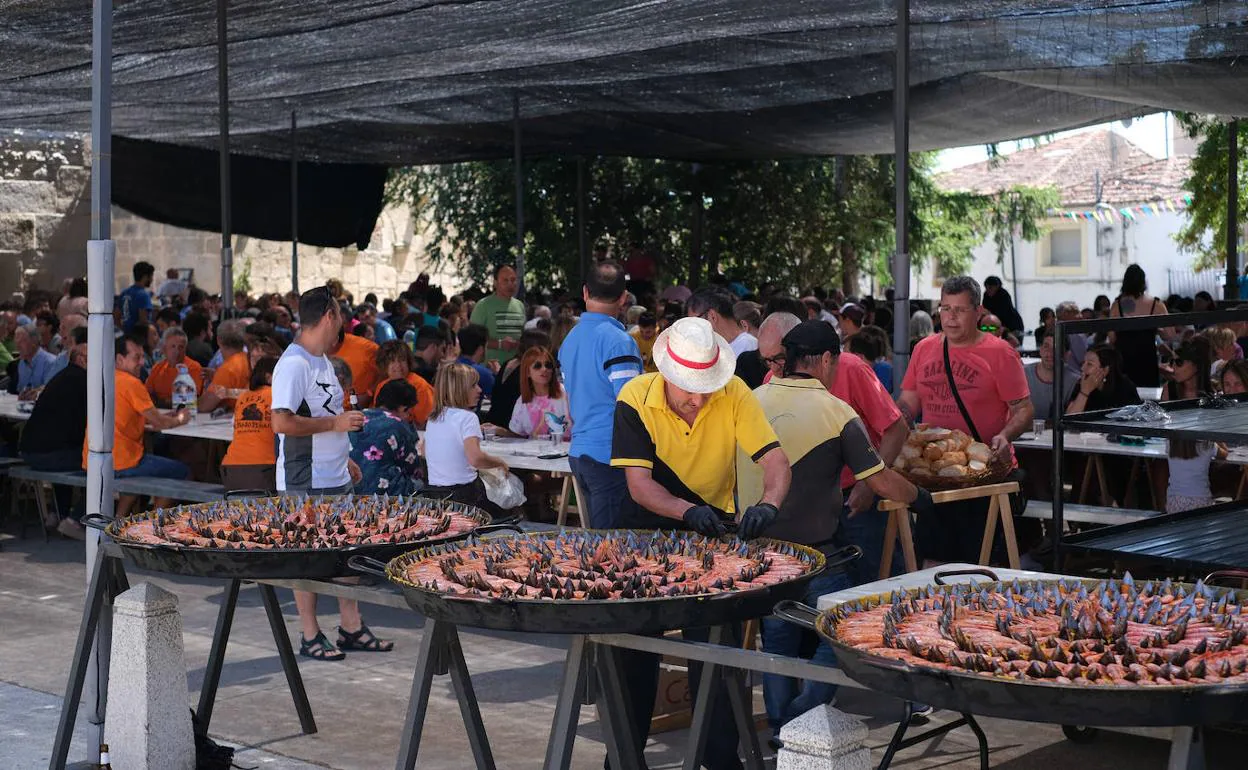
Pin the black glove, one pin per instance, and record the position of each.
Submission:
(923, 502)
(757, 518)
(705, 520)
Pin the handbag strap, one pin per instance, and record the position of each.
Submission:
(953, 388)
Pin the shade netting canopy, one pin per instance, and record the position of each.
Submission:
(396, 82)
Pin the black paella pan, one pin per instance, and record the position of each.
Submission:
(273, 563)
(1025, 700)
(598, 616)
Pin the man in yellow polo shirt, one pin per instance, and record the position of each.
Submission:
(676, 435)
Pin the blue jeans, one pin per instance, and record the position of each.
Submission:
(605, 490)
(787, 697)
(156, 466)
(866, 530)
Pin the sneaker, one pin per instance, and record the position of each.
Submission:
(920, 713)
(71, 529)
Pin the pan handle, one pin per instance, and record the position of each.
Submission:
(505, 527)
(796, 613)
(367, 565)
(511, 518)
(96, 521)
(974, 571)
(842, 556)
(1226, 574)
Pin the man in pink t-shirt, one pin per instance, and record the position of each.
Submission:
(855, 383)
(989, 378)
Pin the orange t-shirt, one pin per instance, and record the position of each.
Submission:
(361, 357)
(233, 374)
(424, 397)
(131, 400)
(160, 381)
(254, 443)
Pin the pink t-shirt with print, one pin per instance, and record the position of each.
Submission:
(989, 375)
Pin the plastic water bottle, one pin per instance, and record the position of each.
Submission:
(184, 396)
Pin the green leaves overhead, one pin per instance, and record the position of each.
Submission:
(793, 222)
(1204, 233)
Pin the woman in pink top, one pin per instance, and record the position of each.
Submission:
(541, 410)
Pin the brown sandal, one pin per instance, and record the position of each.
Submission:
(363, 640)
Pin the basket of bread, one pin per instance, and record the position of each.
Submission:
(939, 458)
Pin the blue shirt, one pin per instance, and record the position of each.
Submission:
(133, 300)
(383, 331)
(884, 372)
(487, 375)
(36, 372)
(597, 358)
(385, 450)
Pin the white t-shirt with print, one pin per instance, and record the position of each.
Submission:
(305, 385)
(444, 447)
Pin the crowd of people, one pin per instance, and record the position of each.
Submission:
(684, 409)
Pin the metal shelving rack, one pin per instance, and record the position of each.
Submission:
(1187, 419)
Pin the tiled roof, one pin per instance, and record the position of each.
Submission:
(1127, 174)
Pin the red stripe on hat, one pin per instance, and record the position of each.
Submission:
(692, 364)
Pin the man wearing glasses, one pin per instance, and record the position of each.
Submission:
(995, 407)
(855, 383)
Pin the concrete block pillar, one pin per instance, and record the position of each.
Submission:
(149, 719)
(826, 739)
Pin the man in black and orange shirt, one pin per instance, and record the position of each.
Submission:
(676, 436)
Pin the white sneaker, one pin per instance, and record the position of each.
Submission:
(72, 529)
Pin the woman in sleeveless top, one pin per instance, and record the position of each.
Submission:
(1138, 348)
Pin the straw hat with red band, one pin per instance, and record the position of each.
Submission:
(691, 356)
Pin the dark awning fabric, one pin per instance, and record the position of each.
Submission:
(338, 203)
(400, 82)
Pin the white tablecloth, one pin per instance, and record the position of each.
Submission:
(1097, 443)
(9, 410)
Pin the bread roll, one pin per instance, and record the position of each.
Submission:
(960, 441)
(920, 470)
(978, 451)
(918, 462)
(911, 451)
(953, 470)
(933, 434)
(951, 458)
(900, 463)
(977, 466)
(932, 452)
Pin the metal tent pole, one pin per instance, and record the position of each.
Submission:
(223, 117)
(101, 252)
(901, 139)
(519, 172)
(582, 237)
(294, 203)
(1232, 210)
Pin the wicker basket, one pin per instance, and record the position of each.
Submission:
(996, 472)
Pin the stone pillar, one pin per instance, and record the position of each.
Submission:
(149, 719)
(826, 739)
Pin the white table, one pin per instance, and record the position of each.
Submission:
(207, 427)
(1098, 443)
(9, 410)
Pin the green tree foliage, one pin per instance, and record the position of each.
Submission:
(1204, 234)
(794, 222)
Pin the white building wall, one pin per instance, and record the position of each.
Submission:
(1148, 241)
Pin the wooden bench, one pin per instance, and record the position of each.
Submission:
(192, 491)
(998, 510)
(1089, 514)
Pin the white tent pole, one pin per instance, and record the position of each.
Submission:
(100, 277)
(294, 204)
(223, 118)
(901, 138)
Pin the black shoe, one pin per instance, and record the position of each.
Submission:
(920, 713)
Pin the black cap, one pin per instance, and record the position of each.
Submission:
(811, 338)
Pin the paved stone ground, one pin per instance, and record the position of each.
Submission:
(359, 702)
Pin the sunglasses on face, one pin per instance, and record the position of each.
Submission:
(543, 365)
(989, 328)
(775, 360)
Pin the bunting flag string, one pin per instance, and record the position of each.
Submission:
(1108, 214)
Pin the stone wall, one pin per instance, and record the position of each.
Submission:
(45, 222)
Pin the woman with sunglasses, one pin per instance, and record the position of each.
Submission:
(1187, 484)
(542, 403)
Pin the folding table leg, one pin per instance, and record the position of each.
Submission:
(613, 711)
(567, 708)
(281, 637)
(469, 709)
(561, 511)
(91, 609)
(1187, 749)
(990, 531)
(743, 712)
(216, 654)
(418, 702)
(1007, 529)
